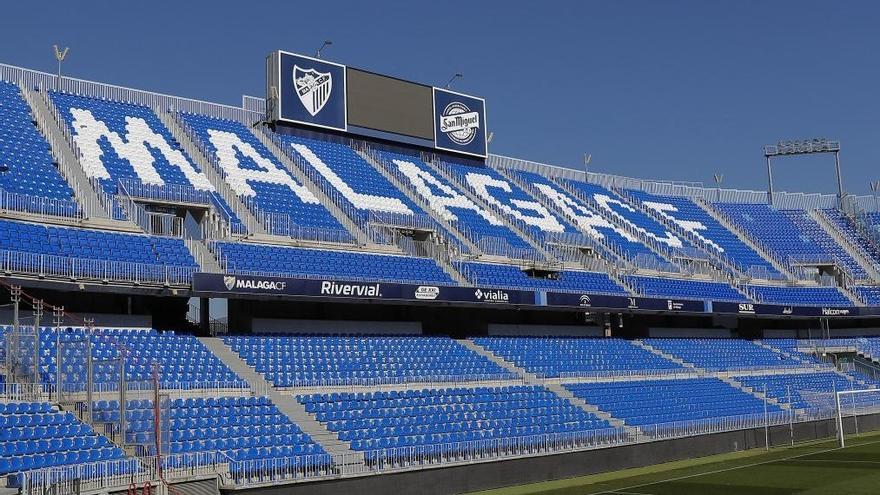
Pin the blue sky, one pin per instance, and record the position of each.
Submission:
(677, 89)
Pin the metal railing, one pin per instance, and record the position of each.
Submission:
(38, 205)
(44, 265)
(174, 193)
(419, 380)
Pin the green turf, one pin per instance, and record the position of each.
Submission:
(819, 468)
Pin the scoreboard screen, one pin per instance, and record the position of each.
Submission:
(306, 91)
(391, 105)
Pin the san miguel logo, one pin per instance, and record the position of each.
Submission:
(459, 123)
(585, 301)
(313, 88)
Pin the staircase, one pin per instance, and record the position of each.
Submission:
(297, 172)
(285, 401)
(195, 154)
(854, 251)
(745, 238)
(532, 379)
(203, 256)
(63, 154)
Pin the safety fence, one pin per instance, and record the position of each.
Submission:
(40, 206)
(73, 269)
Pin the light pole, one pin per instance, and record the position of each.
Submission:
(455, 76)
(323, 45)
(588, 157)
(875, 186)
(719, 178)
(60, 55)
(803, 147)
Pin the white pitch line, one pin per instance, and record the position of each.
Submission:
(696, 475)
(840, 461)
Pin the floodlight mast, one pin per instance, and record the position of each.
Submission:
(803, 147)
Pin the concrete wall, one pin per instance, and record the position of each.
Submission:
(483, 476)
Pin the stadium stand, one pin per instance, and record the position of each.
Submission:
(152, 254)
(242, 428)
(473, 221)
(649, 402)
(509, 200)
(379, 422)
(705, 231)
(869, 294)
(847, 228)
(722, 354)
(791, 235)
(802, 296)
(35, 435)
(25, 153)
(258, 177)
(184, 362)
(801, 390)
(508, 276)
(685, 288)
(617, 208)
(557, 356)
(313, 360)
(312, 263)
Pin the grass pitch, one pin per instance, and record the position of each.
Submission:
(818, 468)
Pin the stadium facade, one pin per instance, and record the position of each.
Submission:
(402, 306)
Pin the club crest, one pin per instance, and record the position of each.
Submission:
(313, 88)
(229, 282)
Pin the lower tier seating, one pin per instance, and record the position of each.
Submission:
(36, 435)
(560, 356)
(801, 390)
(723, 354)
(667, 401)
(378, 422)
(237, 428)
(316, 360)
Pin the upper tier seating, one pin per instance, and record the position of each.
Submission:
(242, 428)
(705, 231)
(442, 418)
(302, 360)
(35, 435)
(792, 346)
(26, 153)
(512, 277)
(98, 246)
(689, 289)
(801, 390)
(348, 178)
(556, 356)
(599, 224)
(258, 177)
(665, 401)
(127, 142)
(473, 221)
(183, 361)
(790, 235)
(505, 196)
(347, 265)
(869, 294)
(722, 354)
(798, 296)
(616, 207)
(848, 229)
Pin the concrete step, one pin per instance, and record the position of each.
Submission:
(285, 401)
(664, 355)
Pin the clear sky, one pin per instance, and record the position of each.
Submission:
(652, 89)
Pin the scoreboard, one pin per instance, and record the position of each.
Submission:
(317, 93)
